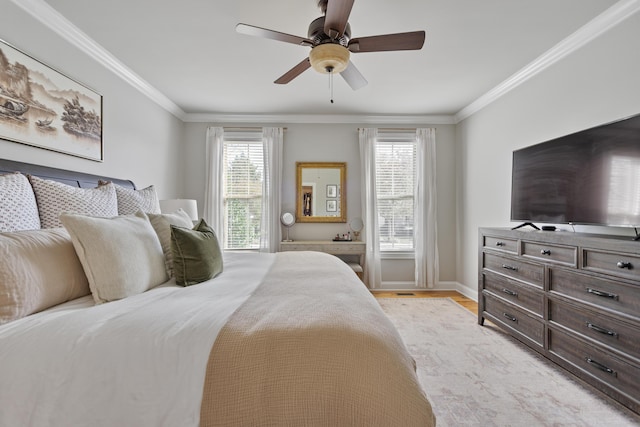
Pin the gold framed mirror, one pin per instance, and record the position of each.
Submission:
(321, 192)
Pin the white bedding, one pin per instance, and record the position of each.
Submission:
(73, 347)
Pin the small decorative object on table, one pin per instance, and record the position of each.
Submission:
(287, 219)
(356, 225)
(346, 237)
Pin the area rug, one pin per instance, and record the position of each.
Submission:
(479, 376)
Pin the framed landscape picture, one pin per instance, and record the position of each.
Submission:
(41, 107)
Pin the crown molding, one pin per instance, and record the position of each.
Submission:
(51, 18)
(319, 118)
(594, 28)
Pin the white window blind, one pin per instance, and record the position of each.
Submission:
(395, 181)
(243, 177)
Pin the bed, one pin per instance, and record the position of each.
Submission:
(291, 338)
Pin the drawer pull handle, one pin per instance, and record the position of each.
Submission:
(601, 330)
(509, 292)
(510, 317)
(602, 294)
(499, 243)
(624, 264)
(601, 366)
(510, 267)
(545, 252)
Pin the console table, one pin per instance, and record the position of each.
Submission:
(572, 297)
(353, 248)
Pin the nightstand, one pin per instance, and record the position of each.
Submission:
(344, 250)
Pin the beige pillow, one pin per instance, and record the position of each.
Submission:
(53, 198)
(121, 256)
(162, 224)
(131, 201)
(18, 209)
(38, 269)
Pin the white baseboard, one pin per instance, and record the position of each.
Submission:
(467, 292)
(441, 286)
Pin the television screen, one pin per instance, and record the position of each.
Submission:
(588, 177)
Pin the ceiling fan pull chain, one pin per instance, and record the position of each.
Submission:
(331, 84)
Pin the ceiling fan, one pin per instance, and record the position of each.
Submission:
(329, 37)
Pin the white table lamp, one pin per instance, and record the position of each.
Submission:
(190, 206)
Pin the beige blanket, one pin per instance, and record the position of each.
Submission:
(311, 347)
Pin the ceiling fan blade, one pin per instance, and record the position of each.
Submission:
(294, 72)
(353, 77)
(336, 17)
(399, 41)
(273, 35)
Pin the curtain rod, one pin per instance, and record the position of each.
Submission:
(239, 129)
(394, 129)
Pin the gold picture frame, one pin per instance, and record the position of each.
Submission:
(320, 192)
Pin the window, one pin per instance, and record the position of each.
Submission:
(395, 182)
(243, 177)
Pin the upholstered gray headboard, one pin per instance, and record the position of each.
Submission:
(76, 179)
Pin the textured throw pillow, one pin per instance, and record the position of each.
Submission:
(53, 198)
(196, 254)
(18, 209)
(162, 224)
(131, 201)
(38, 269)
(121, 256)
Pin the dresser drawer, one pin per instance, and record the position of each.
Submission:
(607, 331)
(613, 263)
(566, 255)
(623, 376)
(514, 318)
(616, 296)
(338, 248)
(528, 272)
(515, 292)
(343, 248)
(301, 247)
(501, 244)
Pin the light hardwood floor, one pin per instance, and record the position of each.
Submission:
(467, 303)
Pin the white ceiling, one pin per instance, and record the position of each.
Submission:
(189, 51)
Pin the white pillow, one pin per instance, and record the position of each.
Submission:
(121, 256)
(18, 208)
(53, 198)
(38, 269)
(162, 224)
(131, 201)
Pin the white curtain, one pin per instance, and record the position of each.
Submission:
(372, 269)
(213, 194)
(425, 225)
(270, 231)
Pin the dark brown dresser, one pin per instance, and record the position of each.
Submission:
(573, 297)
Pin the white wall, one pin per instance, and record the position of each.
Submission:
(597, 84)
(141, 140)
(339, 143)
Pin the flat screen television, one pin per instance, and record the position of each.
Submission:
(588, 177)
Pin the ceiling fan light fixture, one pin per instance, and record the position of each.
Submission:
(329, 58)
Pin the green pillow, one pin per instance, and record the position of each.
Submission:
(196, 254)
